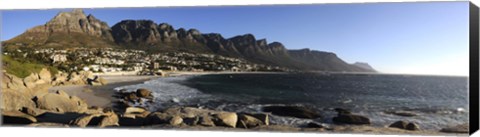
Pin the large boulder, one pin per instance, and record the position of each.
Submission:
(132, 97)
(176, 120)
(399, 124)
(144, 93)
(15, 100)
(100, 120)
(206, 120)
(462, 128)
(75, 79)
(248, 121)
(405, 125)
(227, 119)
(61, 102)
(292, 111)
(412, 126)
(351, 119)
(109, 119)
(12, 82)
(262, 117)
(45, 75)
(16, 117)
(30, 81)
(157, 118)
(134, 110)
(59, 79)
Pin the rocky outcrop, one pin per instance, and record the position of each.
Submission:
(176, 120)
(248, 121)
(412, 126)
(60, 102)
(346, 117)
(144, 93)
(139, 97)
(18, 93)
(15, 100)
(225, 119)
(461, 128)
(399, 124)
(78, 78)
(100, 120)
(405, 125)
(351, 119)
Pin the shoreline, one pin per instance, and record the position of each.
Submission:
(102, 96)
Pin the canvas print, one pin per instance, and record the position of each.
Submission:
(370, 68)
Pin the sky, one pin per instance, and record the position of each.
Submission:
(402, 38)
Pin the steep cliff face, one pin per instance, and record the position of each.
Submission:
(137, 32)
(75, 29)
(67, 29)
(147, 35)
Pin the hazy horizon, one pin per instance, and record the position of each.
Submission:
(428, 38)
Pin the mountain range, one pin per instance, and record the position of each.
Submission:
(75, 29)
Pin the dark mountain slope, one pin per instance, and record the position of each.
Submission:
(75, 29)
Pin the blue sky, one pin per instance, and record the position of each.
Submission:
(413, 38)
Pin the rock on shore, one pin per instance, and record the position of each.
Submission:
(292, 111)
(346, 117)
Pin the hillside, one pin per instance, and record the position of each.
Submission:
(75, 29)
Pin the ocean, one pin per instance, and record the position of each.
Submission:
(438, 101)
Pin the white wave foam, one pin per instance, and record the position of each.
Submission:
(168, 91)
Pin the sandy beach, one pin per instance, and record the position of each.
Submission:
(101, 96)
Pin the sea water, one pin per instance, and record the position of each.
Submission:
(438, 101)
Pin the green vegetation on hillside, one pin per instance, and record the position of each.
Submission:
(23, 68)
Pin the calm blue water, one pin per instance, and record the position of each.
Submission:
(438, 100)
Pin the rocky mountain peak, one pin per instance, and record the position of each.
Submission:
(276, 45)
(262, 42)
(136, 31)
(69, 28)
(194, 32)
(165, 27)
(76, 21)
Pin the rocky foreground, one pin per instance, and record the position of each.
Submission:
(27, 102)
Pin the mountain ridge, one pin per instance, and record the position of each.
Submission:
(75, 29)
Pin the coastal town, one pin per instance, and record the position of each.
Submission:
(136, 62)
